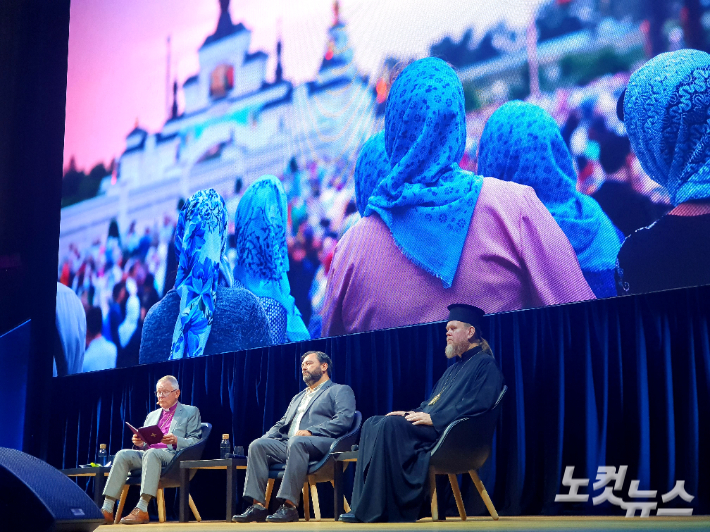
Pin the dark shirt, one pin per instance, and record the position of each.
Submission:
(300, 277)
(627, 209)
(238, 323)
(672, 253)
(128, 356)
(115, 318)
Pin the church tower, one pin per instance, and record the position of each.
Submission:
(338, 56)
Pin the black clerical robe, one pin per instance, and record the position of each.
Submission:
(393, 462)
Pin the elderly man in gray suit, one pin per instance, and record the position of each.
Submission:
(315, 417)
(181, 426)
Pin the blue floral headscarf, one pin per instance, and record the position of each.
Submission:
(372, 165)
(262, 255)
(200, 243)
(426, 195)
(667, 117)
(522, 143)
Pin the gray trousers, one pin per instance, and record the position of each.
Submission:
(295, 452)
(150, 463)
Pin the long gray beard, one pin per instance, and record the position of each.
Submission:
(454, 350)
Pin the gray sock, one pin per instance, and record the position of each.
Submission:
(143, 502)
(108, 504)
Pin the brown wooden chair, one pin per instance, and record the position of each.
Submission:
(463, 448)
(169, 477)
(319, 471)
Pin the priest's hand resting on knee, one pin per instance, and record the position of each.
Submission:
(303, 433)
(397, 413)
(418, 418)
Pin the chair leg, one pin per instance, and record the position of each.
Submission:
(457, 495)
(306, 503)
(316, 502)
(484, 494)
(346, 506)
(194, 509)
(269, 489)
(434, 501)
(121, 503)
(160, 499)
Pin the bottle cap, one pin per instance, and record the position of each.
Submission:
(102, 446)
(225, 436)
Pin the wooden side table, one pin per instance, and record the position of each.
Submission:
(229, 464)
(99, 474)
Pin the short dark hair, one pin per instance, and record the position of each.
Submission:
(94, 320)
(322, 358)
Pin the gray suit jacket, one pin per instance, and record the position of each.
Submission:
(330, 413)
(185, 425)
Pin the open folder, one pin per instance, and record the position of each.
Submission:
(151, 435)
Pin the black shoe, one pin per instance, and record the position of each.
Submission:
(285, 514)
(349, 518)
(254, 514)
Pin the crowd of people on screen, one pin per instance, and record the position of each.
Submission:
(566, 197)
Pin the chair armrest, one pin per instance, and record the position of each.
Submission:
(345, 443)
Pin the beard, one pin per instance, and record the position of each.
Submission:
(454, 350)
(309, 377)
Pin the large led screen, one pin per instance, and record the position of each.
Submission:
(174, 243)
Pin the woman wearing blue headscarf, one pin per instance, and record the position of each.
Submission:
(522, 143)
(202, 314)
(665, 110)
(433, 234)
(262, 257)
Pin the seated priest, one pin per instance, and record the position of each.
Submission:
(313, 420)
(181, 426)
(393, 462)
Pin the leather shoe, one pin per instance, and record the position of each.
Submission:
(349, 518)
(254, 514)
(285, 514)
(136, 517)
(107, 517)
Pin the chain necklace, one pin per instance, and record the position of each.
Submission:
(450, 380)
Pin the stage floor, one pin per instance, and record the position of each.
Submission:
(700, 522)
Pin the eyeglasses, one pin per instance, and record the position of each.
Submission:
(164, 394)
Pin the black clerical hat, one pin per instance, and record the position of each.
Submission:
(466, 314)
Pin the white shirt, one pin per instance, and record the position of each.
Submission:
(305, 401)
(101, 354)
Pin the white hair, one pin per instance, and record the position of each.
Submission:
(172, 380)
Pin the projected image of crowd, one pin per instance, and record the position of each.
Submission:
(565, 196)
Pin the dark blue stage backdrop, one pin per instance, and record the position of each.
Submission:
(615, 382)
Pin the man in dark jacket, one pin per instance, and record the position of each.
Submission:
(315, 417)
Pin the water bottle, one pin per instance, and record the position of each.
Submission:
(103, 454)
(224, 446)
